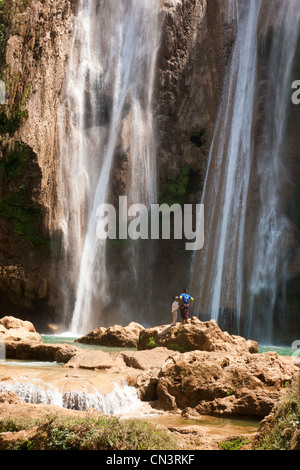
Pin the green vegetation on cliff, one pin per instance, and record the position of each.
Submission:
(4, 29)
(281, 430)
(26, 216)
(10, 122)
(20, 173)
(176, 189)
(14, 159)
(8, 10)
(13, 114)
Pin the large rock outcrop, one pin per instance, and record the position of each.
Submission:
(114, 336)
(196, 335)
(60, 353)
(200, 368)
(15, 330)
(20, 340)
(225, 379)
(220, 383)
(34, 55)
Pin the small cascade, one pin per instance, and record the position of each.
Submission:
(122, 400)
(33, 393)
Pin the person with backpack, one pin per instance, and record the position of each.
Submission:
(185, 298)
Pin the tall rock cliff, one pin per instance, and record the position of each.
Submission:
(197, 37)
(34, 45)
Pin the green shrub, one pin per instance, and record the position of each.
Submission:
(175, 189)
(278, 432)
(177, 347)
(106, 434)
(234, 444)
(151, 343)
(11, 122)
(92, 433)
(26, 216)
(14, 160)
(14, 425)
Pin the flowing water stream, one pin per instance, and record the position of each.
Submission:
(122, 400)
(106, 120)
(32, 384)
(240, 275)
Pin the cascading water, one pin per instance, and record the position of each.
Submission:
(122, 399)
(106, 115)
(274, 228)
(243, 265)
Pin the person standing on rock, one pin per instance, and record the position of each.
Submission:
(175, 308)
(185, 299)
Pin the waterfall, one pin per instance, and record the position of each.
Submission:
(241, 270)
(123, 399)
(105, 121)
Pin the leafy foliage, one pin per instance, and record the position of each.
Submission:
(13, 161)
(26, 216)
(234, 444)
(151, 343)
(91, 433)
(9, 124)
(284, 422)
(175, 189)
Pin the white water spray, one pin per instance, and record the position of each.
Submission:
(121, 401)
(108, 105)
(242, 263)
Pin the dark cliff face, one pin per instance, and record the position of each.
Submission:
(195, 47)
(34, 45)
(197, 39)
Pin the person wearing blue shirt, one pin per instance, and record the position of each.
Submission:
(185, 299)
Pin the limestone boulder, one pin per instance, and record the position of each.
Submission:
(146, 360)
(61, 353)
(114, 336)
(21, 341)
(16, 330)
(95, 360)
(220, 383)
(195, 335)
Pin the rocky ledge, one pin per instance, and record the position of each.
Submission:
(23, 342)
(219, 383)
(115, 336)
(196, 369)
(196, 335)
